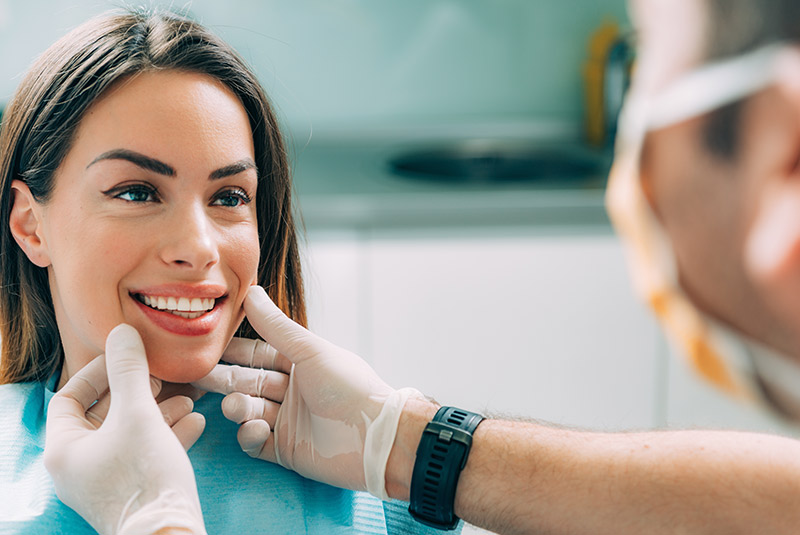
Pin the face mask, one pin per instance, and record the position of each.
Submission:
(725, 358)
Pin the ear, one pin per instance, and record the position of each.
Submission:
(772, 252)
(773, 241)
(787, 77)
(25, 223)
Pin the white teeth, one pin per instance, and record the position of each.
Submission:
(188, 315)
(180, 306)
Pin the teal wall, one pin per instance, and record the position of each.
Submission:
(345, 63)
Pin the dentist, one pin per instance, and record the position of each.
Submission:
(705, 191)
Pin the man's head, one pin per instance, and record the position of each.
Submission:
(726, 185)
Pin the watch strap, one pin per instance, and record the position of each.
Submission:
(441, 455)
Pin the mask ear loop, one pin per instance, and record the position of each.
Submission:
(648, 247)
(654, 274)
(714, 85)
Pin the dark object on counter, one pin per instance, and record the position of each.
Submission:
(487, 162)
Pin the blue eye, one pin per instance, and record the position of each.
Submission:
(231, 198)
(136, 194)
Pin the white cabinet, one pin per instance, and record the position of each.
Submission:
(515, 322)
(332, 271)
(510, 321)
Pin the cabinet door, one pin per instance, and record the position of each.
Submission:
(333, 270)
(523, 324)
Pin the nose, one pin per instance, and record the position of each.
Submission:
(190, 240)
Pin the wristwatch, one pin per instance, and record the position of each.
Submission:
(441, 455)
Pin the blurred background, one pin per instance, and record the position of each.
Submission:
(450, 160)
(348, 63)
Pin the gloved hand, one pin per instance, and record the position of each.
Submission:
(338, 420)
(130, 474)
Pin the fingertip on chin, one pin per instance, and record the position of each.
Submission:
(255, 292)
(123, 329)
(123, 337)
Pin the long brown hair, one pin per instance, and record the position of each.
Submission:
(37, 131)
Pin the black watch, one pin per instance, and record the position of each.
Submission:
(441, 455)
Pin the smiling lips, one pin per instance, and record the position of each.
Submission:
(183, 315)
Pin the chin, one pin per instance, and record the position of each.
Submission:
(182, 368)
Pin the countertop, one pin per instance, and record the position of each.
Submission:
(343, 180)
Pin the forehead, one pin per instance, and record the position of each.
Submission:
(187, 119)
(670, 39)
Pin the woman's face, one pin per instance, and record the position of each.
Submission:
(152, 222)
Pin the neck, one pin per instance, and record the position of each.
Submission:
(66, 373)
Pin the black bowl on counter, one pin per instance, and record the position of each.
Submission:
(497, 161)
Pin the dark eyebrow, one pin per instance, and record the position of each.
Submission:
(233, 169)
(145, 162)
(151, 164)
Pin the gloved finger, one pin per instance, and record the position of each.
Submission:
(240, 408)
(256, 440)
(175, 408)
(97, 412)
(155, 386)
(67, 409)
(128, 373)
(189, 428)
(88, 384)
(255, 382)
(256, 354)
(190, 391)
(289, 338)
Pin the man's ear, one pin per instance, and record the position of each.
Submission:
(772, 254)
(772, 246)
(773, 242)
(787, 76)
(26, 224)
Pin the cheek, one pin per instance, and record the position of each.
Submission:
(242, 253)
(85, 279)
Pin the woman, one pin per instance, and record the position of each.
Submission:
(144, 181)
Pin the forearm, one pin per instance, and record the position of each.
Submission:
(527, 478)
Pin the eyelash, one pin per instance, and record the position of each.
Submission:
(152, 194)
(118, 192)
(239, 193)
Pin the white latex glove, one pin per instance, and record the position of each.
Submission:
(338, 420)
(131, 474)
